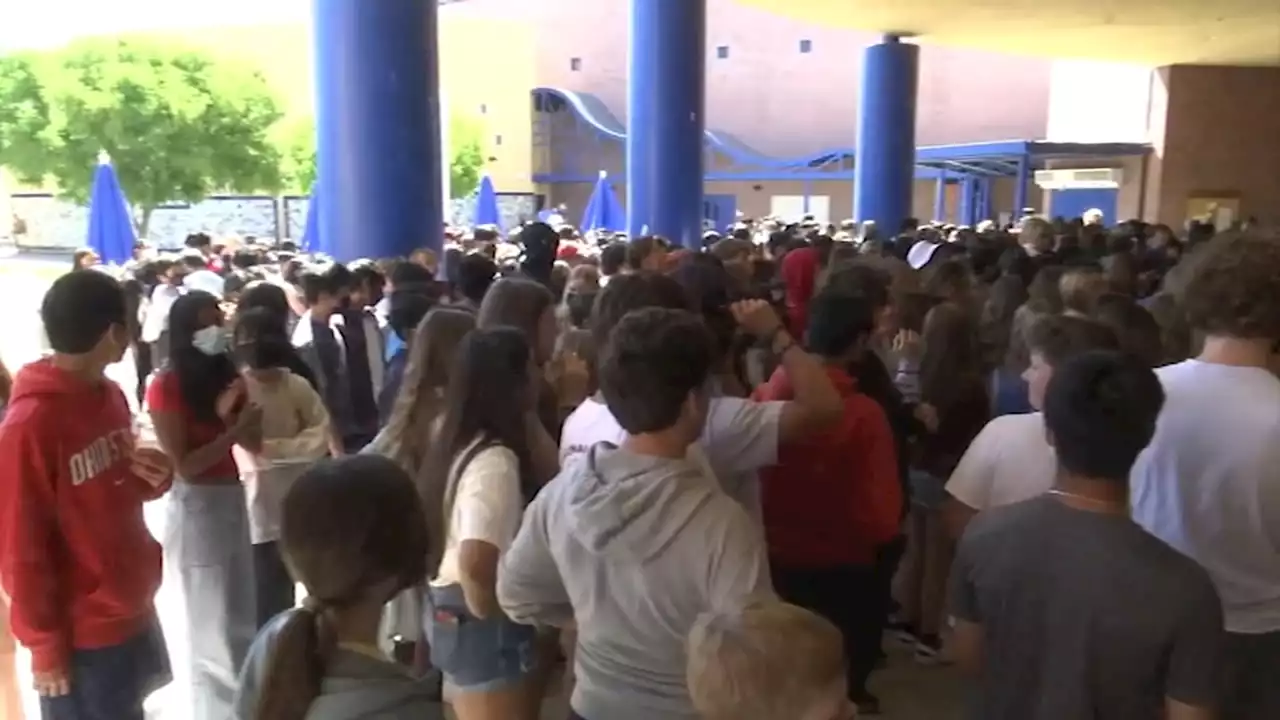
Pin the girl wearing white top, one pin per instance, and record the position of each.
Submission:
(479, 482)
(295, 433)
(413, 423)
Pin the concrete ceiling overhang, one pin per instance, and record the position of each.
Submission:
(1150, 32)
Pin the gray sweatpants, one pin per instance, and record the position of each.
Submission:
(207, 542)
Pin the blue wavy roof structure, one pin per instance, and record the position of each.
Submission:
(997, 158)
(592, 110)
(595, 113)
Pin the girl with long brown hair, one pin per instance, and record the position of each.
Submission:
(407, 435)
(354, 534)
(529, 307)
(479, 480)
(953, 383)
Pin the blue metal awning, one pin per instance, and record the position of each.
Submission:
(1004, 158)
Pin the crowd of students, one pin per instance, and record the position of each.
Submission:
(714, 480)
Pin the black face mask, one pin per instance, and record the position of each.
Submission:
(579, 305)
(264, 354)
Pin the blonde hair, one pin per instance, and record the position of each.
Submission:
(1081, 287)
(1036, 233)
(407, 435)
(766, 661)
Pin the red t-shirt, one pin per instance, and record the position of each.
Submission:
(163, 395)
(834, 497)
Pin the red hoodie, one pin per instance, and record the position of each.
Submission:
(799, 277)
(834, 497)
(76, 558)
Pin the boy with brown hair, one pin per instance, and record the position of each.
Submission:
(768, 660)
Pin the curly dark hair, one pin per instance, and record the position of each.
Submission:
(1233, 290)
(654, 358)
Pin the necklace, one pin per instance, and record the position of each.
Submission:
(1107, 505)
(366, 649)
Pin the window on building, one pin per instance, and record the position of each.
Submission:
(484, 109)
(497, 140)
(722, 52)
(806, 46)
(575, 64)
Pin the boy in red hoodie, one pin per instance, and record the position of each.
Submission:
(835, 497)
(76, 559)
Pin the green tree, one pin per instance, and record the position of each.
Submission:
(299, 142)
(466, 155)
(178, 124)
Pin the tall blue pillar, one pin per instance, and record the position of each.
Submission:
(666, 65)
(1020, 188)
(968, 186)
(984, 199)
(884, 170)
(940, 197)
(377, 127)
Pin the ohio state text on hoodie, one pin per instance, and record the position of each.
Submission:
(76, 558)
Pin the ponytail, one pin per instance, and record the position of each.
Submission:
(296, 665)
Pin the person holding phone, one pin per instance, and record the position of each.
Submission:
(201, 408)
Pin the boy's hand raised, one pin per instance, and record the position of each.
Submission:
(756, 317)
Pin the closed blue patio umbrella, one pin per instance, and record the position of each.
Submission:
(487, 204)
(111, 233)
(310, 240)
(604, 211)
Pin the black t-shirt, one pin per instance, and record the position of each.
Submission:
(1085, 616)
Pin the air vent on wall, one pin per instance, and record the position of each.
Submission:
(1079, 179)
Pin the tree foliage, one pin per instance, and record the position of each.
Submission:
(466, 156)
(178, 124)
(299, 143)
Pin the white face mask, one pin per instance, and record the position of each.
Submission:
(212, 340)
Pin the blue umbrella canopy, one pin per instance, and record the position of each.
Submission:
(604, 211)
(111, 233)
(487, 204)
(310, 240)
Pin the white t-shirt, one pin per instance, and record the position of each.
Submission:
(295, 434)
(740, 437)
(1010, 461)
(1209, 483)
(156, 319)
(487, 506)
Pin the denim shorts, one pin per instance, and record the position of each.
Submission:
(927, 490)
(476, 655)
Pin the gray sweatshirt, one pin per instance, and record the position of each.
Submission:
(356, 686)
(633, 548)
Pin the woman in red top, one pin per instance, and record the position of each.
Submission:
(199, 407)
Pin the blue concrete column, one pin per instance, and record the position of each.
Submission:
(884, 171)
(377, 127)
(968, 186)
(984, 199)
(1020, 187)
(666, 65)
(940, 197)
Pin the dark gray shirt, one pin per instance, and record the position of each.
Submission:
(1085, 615)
